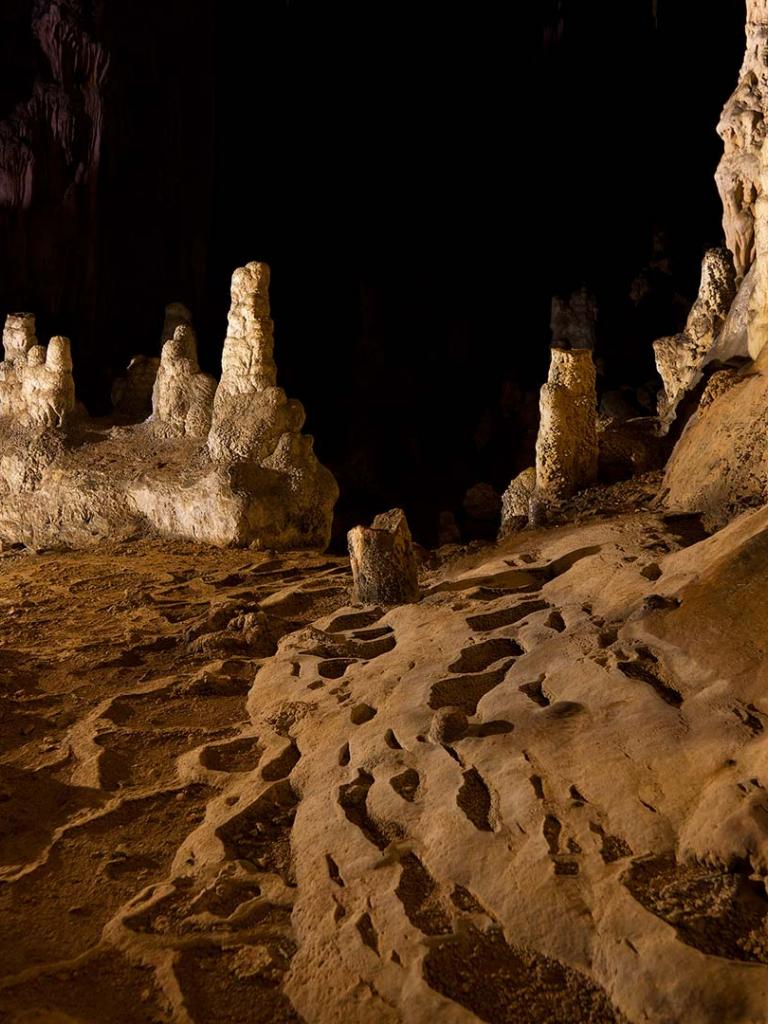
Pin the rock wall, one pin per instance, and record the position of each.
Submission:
(719, 466)
(742, 129)
(91, 185)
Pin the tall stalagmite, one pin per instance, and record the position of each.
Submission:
(566, 447)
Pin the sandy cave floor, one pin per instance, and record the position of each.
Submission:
(225, 795)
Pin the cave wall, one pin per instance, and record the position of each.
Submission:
(148, 148)
(105, 167)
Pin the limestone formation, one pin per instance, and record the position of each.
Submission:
(680, 358)
(250, 412)
(515, 502)
(182, 396)
(263, 487)
(566, 446)
(720, 464)
(383, 561)
(18, 336)
(630, 447)
(742, 129)
(36, 384)
(757, 317)
(448, 725)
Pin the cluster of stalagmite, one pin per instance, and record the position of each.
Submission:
(223, 464)
(36, 383)
(259, 481)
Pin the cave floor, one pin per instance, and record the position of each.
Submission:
(226, 795)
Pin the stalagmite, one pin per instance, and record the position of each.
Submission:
(383, 563)
(225, 466)
(566, 446)
(681, 357)
(182, 397)
(515, 502)
(250, 413)
(18, 335)
(36, 383)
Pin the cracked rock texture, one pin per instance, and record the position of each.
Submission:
(538, 794)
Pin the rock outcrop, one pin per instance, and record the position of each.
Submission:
(516, 502)
(742, 129)
(263, 486)
(680, 359)
(566, 446)
(383, 562)
(719, 466)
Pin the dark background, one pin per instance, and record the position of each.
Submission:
(422, 180)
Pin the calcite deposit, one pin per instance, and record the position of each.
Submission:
(37, 388)
(742, 129)
(719, 466)
(182, 396)
(519, 782)
(680, 359)
(516, 502)
(566, 446)
(383, 561)
(222, 464)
